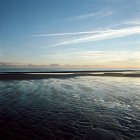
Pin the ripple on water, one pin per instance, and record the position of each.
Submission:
(70, 108)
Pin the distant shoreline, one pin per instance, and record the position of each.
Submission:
(73, 71)
(66, 74)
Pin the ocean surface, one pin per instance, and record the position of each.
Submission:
(70, 108)
(14, 69)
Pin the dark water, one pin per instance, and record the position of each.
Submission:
(63, 109)
(15, 69)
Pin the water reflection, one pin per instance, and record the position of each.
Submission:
(70, 108)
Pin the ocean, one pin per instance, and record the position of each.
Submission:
(14, 69)
(76, 108)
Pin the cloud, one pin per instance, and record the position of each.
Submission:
(133, 22)
(129, 23)
(101, 13)
(86, 57)
(110, 55)
(100, 35)
(64, 34)
(7, 63)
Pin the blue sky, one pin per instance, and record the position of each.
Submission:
(96, 33)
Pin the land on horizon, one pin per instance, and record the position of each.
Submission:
(67, 74)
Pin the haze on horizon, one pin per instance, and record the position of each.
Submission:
(92, 33)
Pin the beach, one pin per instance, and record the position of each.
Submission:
(66, 74)
(70, 105)
(70, 70)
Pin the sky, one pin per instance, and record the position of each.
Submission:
(90, 33)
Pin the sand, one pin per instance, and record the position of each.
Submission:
(81, 108)
(65, 74)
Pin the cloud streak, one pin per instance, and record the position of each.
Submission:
(86, 57)
(65, 34)
(101, 13)
(101, 35)
(128, 23)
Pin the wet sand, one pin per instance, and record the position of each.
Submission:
(70, 105)
(65, 74)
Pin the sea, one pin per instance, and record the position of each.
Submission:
(70, 108)
(15, 69)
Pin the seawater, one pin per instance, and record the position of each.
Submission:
(14, 69)
(70, 108)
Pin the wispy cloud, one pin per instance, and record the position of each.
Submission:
(97, 57)
(133, 22)
(129, 43)
(129, 23)
(101, 35)
(64, 34)
(101, 13)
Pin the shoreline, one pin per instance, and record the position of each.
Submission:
(66, 74)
